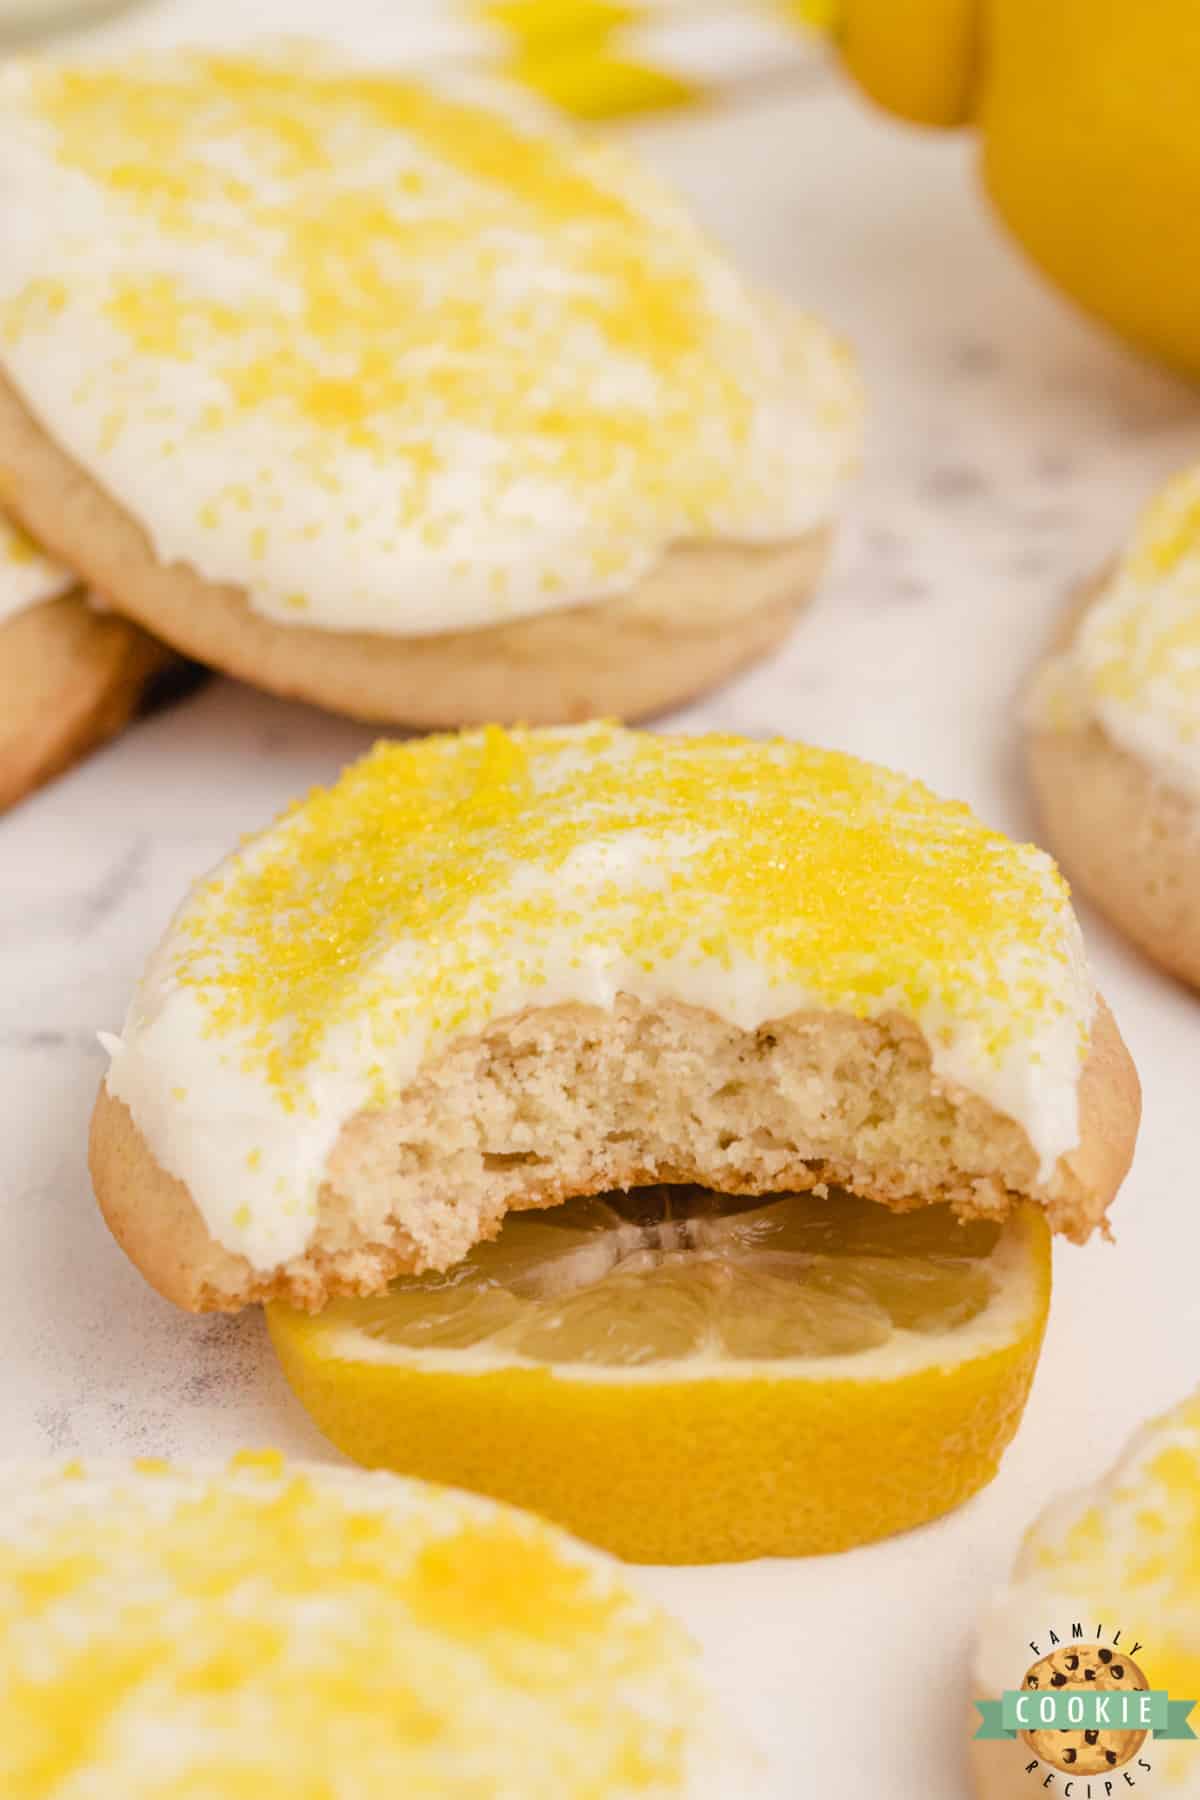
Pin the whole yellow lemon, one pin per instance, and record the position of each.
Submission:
(1089, 116)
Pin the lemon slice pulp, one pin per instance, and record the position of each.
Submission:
(685, 1377)
(661, 1274)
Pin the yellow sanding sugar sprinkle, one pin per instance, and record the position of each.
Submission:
(393, 289)
(435, 873)
(267, 1633)
(1141, 642)
(1169, 530)
(1138, 1530)
(15, 547)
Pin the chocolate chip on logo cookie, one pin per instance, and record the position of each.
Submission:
(1088, 1752)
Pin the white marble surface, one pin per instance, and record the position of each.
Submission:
(1008, 445)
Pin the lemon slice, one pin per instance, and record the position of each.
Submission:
(275, 1633)
(684, 1379)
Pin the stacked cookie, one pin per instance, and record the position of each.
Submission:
(405, 400)
(70, 676)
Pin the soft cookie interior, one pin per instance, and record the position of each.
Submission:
(573, 1100)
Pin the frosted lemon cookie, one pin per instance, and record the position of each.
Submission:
(1119, 1558)
(1114, 735)
(69, 678)
(495, 971)
(272, 1631)
(403, 398)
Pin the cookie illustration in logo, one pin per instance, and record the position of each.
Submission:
(1079, 1666)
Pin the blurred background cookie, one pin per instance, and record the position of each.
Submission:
(276, 1630)
(70, 677)
(404, 399)
(1114, 735)
(1120, 1558)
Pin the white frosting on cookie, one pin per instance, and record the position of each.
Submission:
(444, 884)
(1124, 1554)
(388, 356)
(1133, 665)
(26, 576)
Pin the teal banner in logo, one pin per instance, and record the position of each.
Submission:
(1084, 1709)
